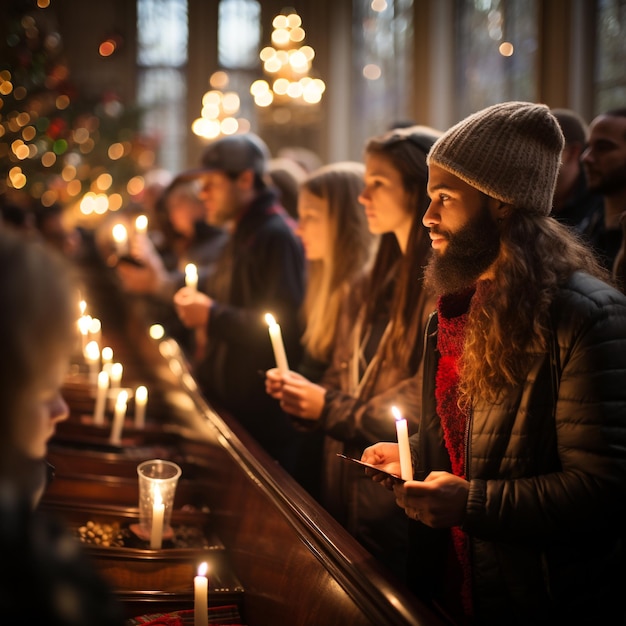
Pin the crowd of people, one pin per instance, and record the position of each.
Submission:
(471, 277)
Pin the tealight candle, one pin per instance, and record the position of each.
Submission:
(406, 467)
(191, 276)
(277, 344)
(201, 596)
(141, 399)
(103, 386)
(158, 510)
(118, 418)
(92, 357)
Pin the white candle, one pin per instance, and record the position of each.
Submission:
(83, 327)
(141, 399)
(116, 375)
(95, 330)
(107, 359)
(191, 276)
(92, 357)
(141, 225)
(118, 418)
(277, 344)
(158, 510)
(201, 596)
(406, 467)
(120, 236)
(103, 386)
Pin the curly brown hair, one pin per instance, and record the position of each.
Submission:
(507, 328)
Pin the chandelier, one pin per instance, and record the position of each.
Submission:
(289, 89)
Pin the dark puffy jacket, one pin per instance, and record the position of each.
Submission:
(546, 508)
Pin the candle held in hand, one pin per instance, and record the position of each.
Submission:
(201, 596)
(406, 467)
(158, 511)
(277, 344)
(191, 276)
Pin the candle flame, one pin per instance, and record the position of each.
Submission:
(203, 568)
(269, 319)
(122, 399)
(82, 306)
(103, 380)
(141, 394)
(92, 351)
(119, 233)
(95, 325)
(396, 412)
(156, 494)
(116, 370)
(157, 331)
(191, 270)
(107, 354)
(141, 223)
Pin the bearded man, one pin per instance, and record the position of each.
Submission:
(520, 461)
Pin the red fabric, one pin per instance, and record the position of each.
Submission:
(450, 338)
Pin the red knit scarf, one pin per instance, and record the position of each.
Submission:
(452, 314)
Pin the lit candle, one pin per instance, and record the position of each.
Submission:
(82, 307)
(92, 357)
(191, 276)
(141, 225)
(118, 418)
(95, 330)
(157, 331)
(158, 510)
(120, 236)
(107, 359)
(103, 386)
(277, 344)
(201, 596)
(141, 399)
(406, 467)
(116, 375)
(84, 322)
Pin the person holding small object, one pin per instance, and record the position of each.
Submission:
(520, 459)
(377, 349)
(260, 270)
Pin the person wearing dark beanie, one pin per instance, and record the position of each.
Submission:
(519, 464)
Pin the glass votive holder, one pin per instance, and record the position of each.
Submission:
(157, 487)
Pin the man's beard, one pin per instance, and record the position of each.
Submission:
(609, 185)
(468, 254)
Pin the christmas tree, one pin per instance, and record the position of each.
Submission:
(56, 147)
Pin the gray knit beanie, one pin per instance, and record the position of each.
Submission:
(509, 151)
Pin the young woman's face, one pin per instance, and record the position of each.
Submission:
(384, 198)
(41, 408)
(313, 225)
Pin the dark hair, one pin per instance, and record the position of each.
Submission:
(573, 126)
(396, 276)
(37, 318)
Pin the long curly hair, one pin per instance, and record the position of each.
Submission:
(506, 329)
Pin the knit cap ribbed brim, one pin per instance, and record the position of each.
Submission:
(509, 151)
